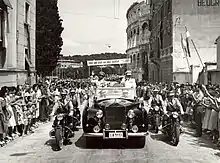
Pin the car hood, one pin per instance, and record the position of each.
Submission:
(117, 102)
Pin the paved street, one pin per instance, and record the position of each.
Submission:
(39, 148)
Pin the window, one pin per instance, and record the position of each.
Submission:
(27, 58)
(27, 13)
(162, 12)
(1, 26)
(26, 52)
(147, 2)
(144, 26)
(134, 58)
(138, 57)
(169, 6)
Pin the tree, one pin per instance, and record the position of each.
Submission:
(48, 36)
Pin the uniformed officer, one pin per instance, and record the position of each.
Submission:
(128, 82)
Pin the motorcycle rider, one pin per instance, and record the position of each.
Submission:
(74, 100)
(63, 106)
(155, 99)
(172, 103)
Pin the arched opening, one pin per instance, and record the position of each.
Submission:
(138, 31)
(134, 31)
(134, 60)
(138, 57)
(131, 58)
(144, 26)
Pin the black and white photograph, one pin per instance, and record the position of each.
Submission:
(109, 81)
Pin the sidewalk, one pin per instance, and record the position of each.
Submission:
(17, 137)
(190, 129)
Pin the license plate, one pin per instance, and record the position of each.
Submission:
(116, 135)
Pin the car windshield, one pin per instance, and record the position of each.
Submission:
(115, 92)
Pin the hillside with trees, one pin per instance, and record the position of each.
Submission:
(102, 56)
(86, 71)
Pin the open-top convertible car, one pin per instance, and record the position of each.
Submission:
(115, 114)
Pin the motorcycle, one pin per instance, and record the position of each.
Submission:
(155, 118)
(62, 129)
(171, 127)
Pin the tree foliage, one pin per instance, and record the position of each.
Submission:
(48, 36)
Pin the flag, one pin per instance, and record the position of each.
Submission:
(187, 42)
(183, 44)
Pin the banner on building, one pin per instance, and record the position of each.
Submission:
(108, 62)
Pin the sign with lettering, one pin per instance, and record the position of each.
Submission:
(109, 62)
(208, 2)
(115, 92)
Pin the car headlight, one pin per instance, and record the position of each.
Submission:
(60, 117)
(131, 114)
(99, 114)
(134, 128)
(175, 115)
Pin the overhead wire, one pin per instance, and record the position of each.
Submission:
(84, 14)
(115, 16)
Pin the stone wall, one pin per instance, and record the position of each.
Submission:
(138, 34)
(13, 71)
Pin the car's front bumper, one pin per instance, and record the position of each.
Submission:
(139, 134)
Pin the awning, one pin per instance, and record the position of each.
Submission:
(7, 3)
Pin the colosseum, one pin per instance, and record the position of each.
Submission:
(138, 34)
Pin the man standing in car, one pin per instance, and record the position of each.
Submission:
(127, 81)
(101, 82)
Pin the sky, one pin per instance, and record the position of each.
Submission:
(94, 26)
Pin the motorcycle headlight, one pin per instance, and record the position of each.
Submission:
(141, 100)
(60, 117)
(99, 114)
(156, 108)
(131, 114)
(175, 115)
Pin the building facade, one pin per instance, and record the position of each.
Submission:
(62, 66)
(170, 18)
(69, 63)
(138, 34)
(17, 42)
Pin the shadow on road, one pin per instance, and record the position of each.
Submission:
(21, 154)
(217, 154)
(99, 143)
(52, 144)
(160, 137)
(203, 141)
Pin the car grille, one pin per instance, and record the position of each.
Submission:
(115, 116)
